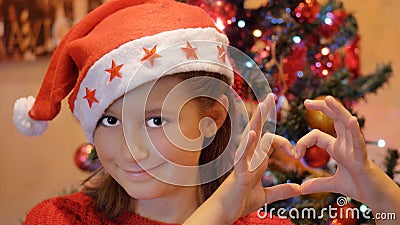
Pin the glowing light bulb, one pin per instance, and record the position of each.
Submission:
(328, 21)
(300, 73)
(257, 33)
(325, 51)
(363, 208)
(220, 24)
(381, 143)
(296, 39)
(241, 23)
(249, 64)
(325, 72)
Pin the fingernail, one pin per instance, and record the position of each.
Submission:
(293, 152)
(307, 101)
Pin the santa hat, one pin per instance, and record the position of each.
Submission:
(99, 58)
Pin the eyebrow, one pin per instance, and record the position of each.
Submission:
(157, 111)
(110, 111)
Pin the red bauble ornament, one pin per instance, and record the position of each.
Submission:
(316, 157)
(345, 215)
(82, 159)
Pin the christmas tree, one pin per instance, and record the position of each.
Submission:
(306, 50)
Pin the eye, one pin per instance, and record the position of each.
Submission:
(110, 121)
(155, 122)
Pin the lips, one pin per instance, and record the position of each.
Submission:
(141, 173)
(140, 170)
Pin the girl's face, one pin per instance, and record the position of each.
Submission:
(141, 137)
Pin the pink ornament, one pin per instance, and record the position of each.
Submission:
(82, 159)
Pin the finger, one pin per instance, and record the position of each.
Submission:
(256, 118)
(360, 151)
(342, 120)
(320, 184)
(267, 111)
(342, 113)
(260, 115)
(334, 110)
(248, 149)
(281, 191)
(349, 149)
(244, 139)
(314, 137)
(262, 151)
(320, 105)
(270, 110)
(282, 143)
(251, 125)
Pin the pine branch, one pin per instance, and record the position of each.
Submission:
(391, 161)
(370, 83)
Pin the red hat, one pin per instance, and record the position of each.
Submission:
(98, 57)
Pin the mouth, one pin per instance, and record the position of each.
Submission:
(141, 172)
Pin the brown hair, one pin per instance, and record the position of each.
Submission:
(111, 200)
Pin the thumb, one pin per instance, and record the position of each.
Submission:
(320, 184)
(281, 191)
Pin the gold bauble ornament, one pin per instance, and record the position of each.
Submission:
(318, 120)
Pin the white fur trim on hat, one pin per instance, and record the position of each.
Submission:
(129, 55)
(23, 122)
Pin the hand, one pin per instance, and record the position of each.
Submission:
(356, 175)
(242, 191)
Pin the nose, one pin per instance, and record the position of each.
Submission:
(132, 151)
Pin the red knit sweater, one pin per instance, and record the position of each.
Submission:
(76, 209)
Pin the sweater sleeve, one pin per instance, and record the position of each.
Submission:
(71, 209)
(268, 219)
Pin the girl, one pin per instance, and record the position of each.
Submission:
(150, 88)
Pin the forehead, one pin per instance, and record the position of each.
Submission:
(165, 92)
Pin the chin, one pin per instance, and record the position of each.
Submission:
(147, 190)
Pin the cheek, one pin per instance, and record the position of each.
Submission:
(106, 143)
(174, 153)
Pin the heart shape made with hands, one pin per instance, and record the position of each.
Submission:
(347, 149)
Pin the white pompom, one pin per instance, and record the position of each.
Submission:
(23, 122)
